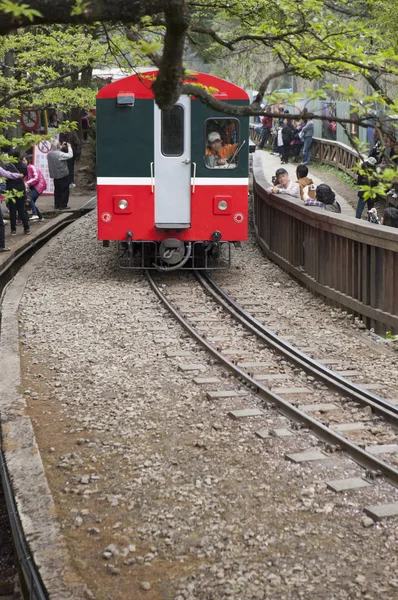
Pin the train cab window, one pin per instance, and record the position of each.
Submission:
(172, 137)
(222, 143)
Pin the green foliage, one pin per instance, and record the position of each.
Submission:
(42, 67)
(18, 10)
(79, 8)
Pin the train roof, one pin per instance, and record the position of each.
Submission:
(140, 85)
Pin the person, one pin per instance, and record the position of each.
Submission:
(265, 131)
(324, 198)
(16, 204)
(3, 189)
(373, 217)
(392, 194)
(287, 138)
(332, 130)
(283, 185)
(37, 184)
(390, 217)
(72, 138)
(305, 182)
(297, 142)
(377, 150)
(388, 153)
(53, 121)
(278, 121)
(215, 148)
(85, 122)
(366, 177)
(307, 134)
(58, 168)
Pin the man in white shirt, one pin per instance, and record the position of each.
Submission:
(283, 185)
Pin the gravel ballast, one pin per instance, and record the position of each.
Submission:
(158, 492)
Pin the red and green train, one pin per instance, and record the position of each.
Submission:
(172, 185)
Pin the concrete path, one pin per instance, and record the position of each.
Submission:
(272, 163)
(46, 206)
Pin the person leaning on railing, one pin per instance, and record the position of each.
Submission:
(283, 185)
(325, 198)
(390, 217)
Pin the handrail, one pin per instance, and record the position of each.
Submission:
(351, 263)
(329, 152)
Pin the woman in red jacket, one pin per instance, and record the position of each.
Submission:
(37, 185)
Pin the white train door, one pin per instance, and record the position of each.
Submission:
(172, 168)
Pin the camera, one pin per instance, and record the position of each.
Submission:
(64, 147)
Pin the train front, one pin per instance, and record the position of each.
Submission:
(172, 185)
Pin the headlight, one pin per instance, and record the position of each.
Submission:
(123, 204)
(222, 205)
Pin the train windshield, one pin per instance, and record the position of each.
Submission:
(222, 143)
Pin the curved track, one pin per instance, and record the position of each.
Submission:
(345, 388)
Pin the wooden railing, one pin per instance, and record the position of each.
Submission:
(351, 263)
(339, 155)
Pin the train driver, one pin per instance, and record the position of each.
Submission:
(216, 148)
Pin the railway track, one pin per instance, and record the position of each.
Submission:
(347, 417)
(30, 581)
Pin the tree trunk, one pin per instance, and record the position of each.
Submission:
(9, 61)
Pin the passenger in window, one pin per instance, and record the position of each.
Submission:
(216, 149)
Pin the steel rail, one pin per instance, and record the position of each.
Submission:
(356, 453)
(379, 405)
(32, 585)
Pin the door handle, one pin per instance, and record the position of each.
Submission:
(187, 161)
(194, 177)
(152, 177)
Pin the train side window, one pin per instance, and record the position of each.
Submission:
(172, 137)
(222, 143)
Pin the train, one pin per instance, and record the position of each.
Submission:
(172, 186)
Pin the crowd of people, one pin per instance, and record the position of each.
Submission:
(291, 136)
(22, 182)
(322, 196)
(383, 155)
(25, 182)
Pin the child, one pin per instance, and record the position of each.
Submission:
(305, 182)
(37, 185)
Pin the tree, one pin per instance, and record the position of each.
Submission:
(42, 67)
(307, 38)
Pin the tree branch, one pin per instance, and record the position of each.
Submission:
(59, 11)
(166, 88)
(253, 109)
